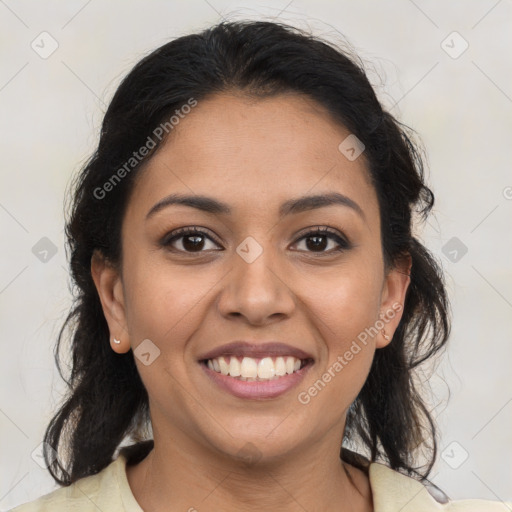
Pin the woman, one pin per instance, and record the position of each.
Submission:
(250, 294)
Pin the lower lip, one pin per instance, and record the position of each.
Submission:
(257, 389)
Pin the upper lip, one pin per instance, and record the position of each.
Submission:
(256, 350)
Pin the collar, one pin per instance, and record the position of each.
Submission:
(394, 491)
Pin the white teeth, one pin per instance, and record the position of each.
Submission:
(234, 367)
(280, 367)
(250, 369)
(290, 364)
(224, 367)
(266, 368)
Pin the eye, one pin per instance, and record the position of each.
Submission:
(190, 239)
(193, 240)
(319, 239)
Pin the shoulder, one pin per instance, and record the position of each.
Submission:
(393, 491)
(96, 492)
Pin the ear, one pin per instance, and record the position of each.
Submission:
(393, 295)
(110, 290)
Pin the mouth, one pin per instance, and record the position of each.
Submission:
(252, 369)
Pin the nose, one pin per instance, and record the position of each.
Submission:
(256, 290)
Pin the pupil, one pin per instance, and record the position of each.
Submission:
(316, 245)
(198, 240)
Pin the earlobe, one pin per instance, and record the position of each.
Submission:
(110, 290)
(396, 284)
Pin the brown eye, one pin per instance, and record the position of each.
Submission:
(318, 241)
(190, 239)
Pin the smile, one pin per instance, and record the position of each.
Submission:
(250, 369)
(256, 378)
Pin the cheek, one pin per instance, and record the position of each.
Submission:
(344, 309)
(164, 305)
(345, 301)
(347, 348)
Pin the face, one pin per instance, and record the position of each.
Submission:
(255, 269)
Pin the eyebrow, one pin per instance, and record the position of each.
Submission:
(292, 206)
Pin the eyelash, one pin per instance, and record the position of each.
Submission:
(343, 243)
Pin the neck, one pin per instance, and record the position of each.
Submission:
(316, 480)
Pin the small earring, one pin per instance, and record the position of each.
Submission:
(386, 336)
(117, 341)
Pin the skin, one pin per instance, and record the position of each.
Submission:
(252, 154)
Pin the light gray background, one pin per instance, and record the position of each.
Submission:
(51, 110)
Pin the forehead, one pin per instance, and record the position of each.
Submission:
(252, 151)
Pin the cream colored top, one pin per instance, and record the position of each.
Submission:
(109, 491)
